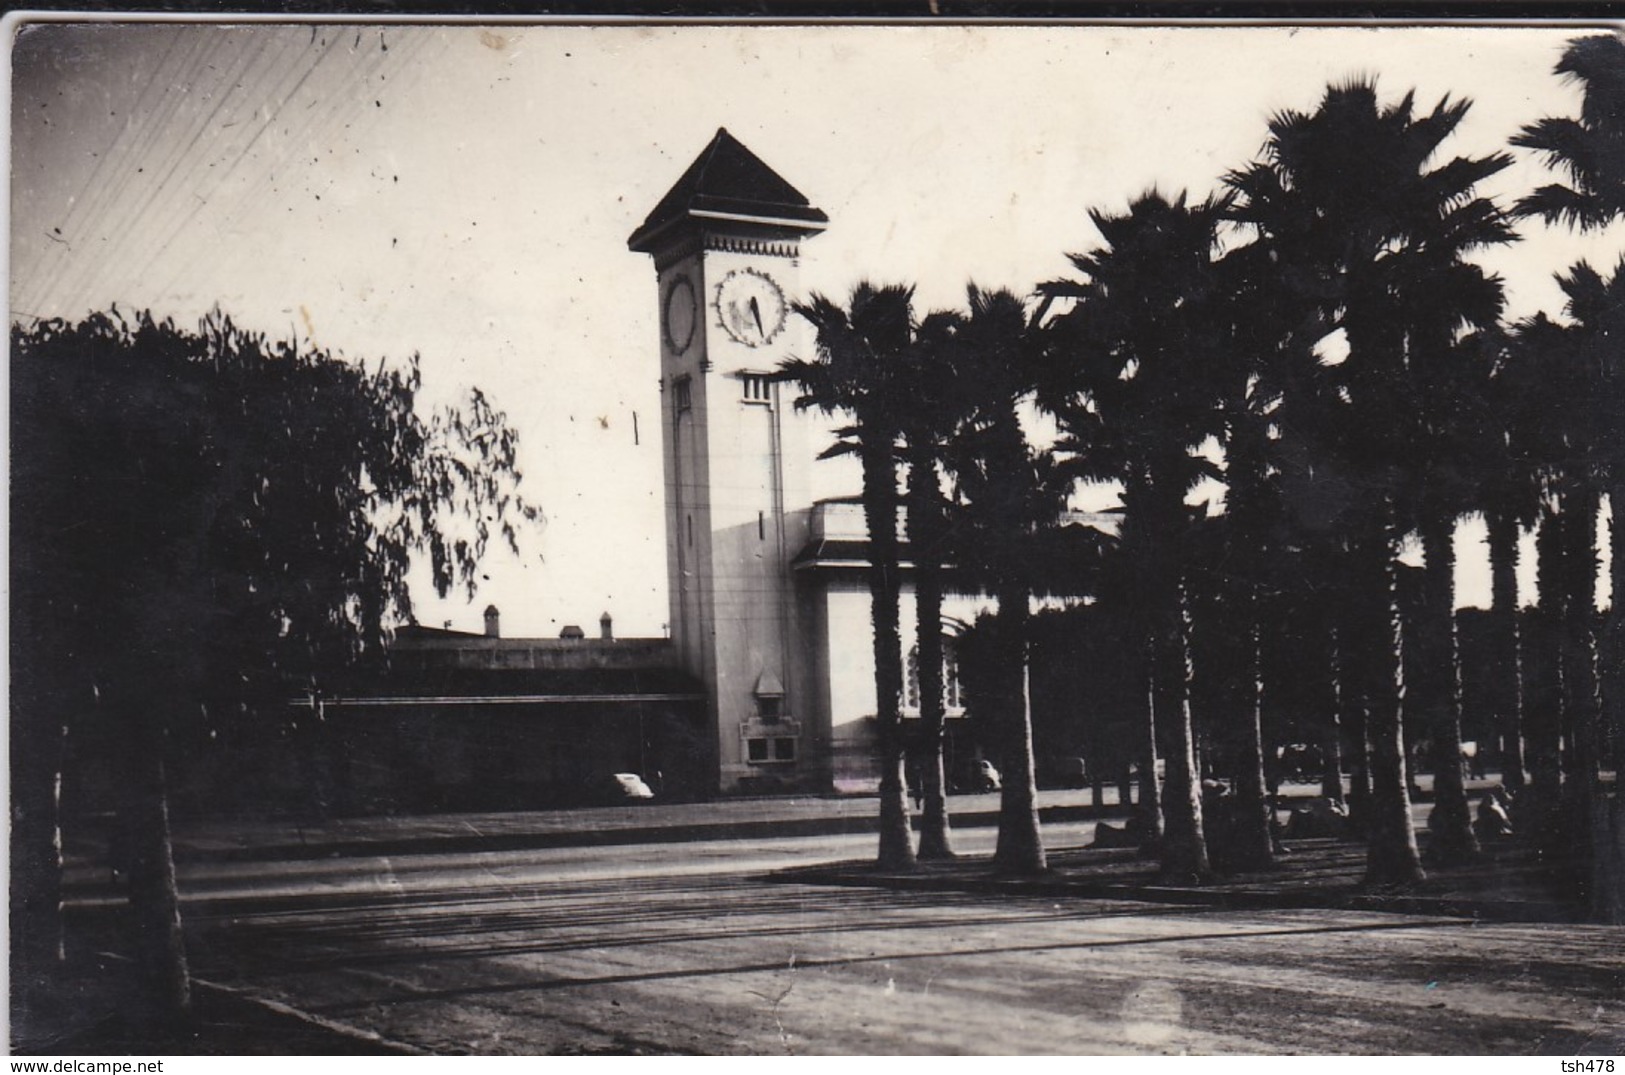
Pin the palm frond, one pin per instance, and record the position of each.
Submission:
(1563, 143)
(1429, 132)
(1556, 204)
(1588, 294)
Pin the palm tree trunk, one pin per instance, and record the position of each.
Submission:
(1610, 906)
(1506, 658)
(1253, 507)
(1350, 671)
(1020, 850)
(1358, 606)
(1184, 848)
(1578, 665)
(1392, 857)
(1255, 841)
(1539, 807)
(1331, 777)
(38, 744)
(1359, 799)
(935, 841)
(1451, 824)
(1613, 663)
(896, 849)
(1584, 805)
(160, 946)
(1149, 807)
(1543, 692)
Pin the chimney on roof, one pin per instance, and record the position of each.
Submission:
(606, 628)
(493, 622)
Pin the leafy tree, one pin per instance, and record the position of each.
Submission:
(861, 353)
(202, 521)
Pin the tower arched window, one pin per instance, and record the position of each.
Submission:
(952, 694)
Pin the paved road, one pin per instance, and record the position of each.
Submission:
(231, 885)
(681, 948)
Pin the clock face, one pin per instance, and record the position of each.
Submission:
(682, 313)
(751, 306)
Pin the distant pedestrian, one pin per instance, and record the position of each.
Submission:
(1494, 823)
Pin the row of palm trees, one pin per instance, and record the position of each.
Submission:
(1317, 338)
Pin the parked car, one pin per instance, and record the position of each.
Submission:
(611, 789)
(632, 786)
(979, 775)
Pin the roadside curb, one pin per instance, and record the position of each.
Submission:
(1343, 897)
(441, 843)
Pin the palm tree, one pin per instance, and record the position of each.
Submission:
(1437, 690)
(1509, 493)
(935, 410)
(1139, 356)
(1370, 237)
(1579, 404)
(1597, 306)
(860, 353)
(1266, 559)
(1591, 149)
(1549, 429)
(1003, 499)
(1288, 341)
(1438, 489)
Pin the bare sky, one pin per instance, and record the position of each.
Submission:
(465, 192)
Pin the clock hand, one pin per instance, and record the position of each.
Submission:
(756, 312)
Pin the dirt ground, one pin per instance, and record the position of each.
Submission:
(740, 947)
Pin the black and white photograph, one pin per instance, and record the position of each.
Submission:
(676, 537)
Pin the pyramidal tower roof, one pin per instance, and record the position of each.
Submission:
(727, 183)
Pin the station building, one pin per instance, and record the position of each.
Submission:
(766, 683)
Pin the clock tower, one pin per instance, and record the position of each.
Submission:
(726, 246)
